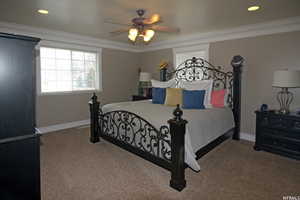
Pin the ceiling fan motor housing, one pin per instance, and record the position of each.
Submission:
(145, 27)
(139, 20)
(141, 12)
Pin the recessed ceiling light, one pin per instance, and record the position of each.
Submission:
(253, 8)
(45, 12)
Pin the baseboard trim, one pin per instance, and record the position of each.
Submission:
(247, 136)
(57, 127)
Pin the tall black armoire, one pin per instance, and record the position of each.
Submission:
(19, 143)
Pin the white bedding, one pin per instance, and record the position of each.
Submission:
(203, 125)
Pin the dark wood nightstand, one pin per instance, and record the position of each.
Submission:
(139, 98)
(278, 133)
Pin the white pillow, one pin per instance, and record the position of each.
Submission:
(165, 84)
(206, 85)
(226, 104)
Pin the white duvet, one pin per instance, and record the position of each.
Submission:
(203, 125)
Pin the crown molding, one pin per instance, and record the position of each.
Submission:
(60, 36)
(253, 30)
(246, 31)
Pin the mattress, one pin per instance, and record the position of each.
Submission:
(203, 126)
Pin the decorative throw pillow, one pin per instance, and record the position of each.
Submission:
(218, 98)
(158, 95)
(206, 85)
(193, 99)
(163, 84)
(173, 96)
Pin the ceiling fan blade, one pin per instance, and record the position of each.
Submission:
(153, 19)
(120, 31)
(165, 29)
(116, 23)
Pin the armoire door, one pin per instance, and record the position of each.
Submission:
(17, 86)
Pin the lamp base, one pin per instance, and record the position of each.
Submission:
(283, 111)
(285, 98)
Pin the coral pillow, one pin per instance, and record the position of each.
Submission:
(173, 96)
(218, 98)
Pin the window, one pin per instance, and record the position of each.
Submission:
(67, 70)
(184, 53)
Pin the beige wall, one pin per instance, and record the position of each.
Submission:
(120, 77)
(263, 55)
(149, 61)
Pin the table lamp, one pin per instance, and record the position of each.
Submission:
(144, 83)
(285, 79)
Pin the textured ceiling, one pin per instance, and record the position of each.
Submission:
(191, 16)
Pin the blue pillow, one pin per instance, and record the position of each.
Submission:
(193, 99)
(158, 95)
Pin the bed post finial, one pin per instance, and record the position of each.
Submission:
(94, 112)
(237, 61)
(177, 130)
(194, 59)
(237, 64)
(94, 97)
(177, 113)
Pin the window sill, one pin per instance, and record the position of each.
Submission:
(68, 92)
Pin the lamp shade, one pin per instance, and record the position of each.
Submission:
(145, 76)
(286, 79)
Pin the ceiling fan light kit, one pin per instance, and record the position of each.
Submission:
(145, 27)
(133, 33)
(147, 35)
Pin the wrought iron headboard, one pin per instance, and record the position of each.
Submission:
(196, 69)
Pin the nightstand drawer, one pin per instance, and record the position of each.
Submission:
(295, 126)
(275, 122)
(279, 133)
(282, 144)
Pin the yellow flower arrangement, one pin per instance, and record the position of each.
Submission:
(163, 64)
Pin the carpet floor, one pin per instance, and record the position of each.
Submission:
(74, 169)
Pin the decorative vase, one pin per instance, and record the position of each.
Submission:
(163, 74)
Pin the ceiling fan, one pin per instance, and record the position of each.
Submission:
(143, 27)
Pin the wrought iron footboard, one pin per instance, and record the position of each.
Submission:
(163, 146)
(131, 129)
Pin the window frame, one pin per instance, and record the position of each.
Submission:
(50, 44)
(190, 49)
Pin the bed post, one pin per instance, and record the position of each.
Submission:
(94, 111)
(237, 63)
(177, 130)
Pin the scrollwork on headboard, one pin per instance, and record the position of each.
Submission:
(196, 69)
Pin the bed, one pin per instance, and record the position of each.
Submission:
(159, 134)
